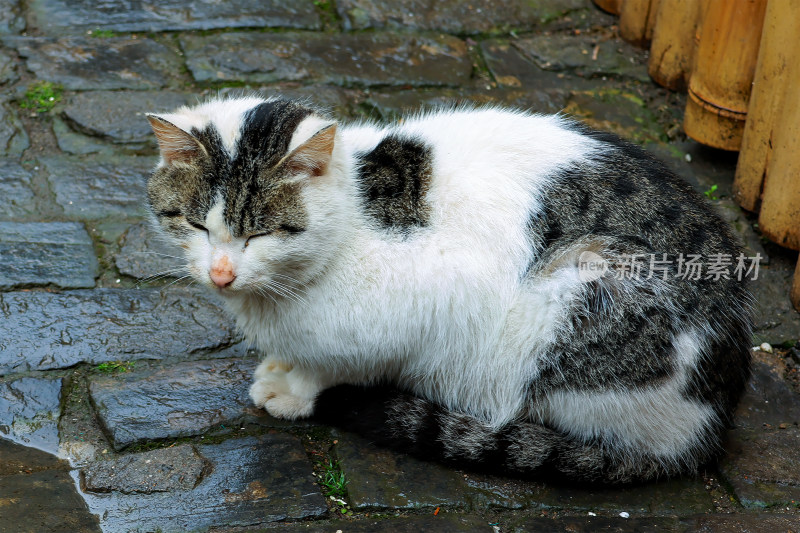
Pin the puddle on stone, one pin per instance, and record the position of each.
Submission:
(29, 409)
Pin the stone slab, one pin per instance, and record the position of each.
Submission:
(79, 63)
(58, 254)
(763, 466)
(452, 16)
(19, 459)
(381, 479)
(163, 470)
(744, 523)
(511, 68)
(592, 524)
(348, 59)
(29, 411)
(181, 400)
(769, 400)
(776, 321)
(585, 55)
(443, 522)
(762, 463)
(619, 111)
(252, 481)
(8, 73)
(64, 17)
(43, 501)
(11, 19)
(96, 188)
(146, 255)
(13, 137)
(45, 330)
(390, 106)
(16, 196)
(119, 116)
(338, 101)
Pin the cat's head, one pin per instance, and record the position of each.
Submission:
(244, 186)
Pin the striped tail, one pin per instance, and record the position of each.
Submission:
(409, 424)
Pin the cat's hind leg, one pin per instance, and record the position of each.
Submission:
(285, 391)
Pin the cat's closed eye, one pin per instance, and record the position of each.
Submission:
(197, 226)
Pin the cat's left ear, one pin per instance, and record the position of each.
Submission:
(313, 156)
(175, 144)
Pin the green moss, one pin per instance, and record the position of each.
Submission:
(111, 367)
(101, 34)
(41, 96)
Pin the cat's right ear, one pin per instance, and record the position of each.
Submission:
(176, 145)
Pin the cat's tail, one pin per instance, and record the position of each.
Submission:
(409, 424)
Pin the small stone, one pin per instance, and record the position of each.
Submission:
(765, 347)
(167, 469)
(46, 253)
(624, 514)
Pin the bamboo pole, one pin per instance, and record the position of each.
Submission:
(779, 42)
(779, 218)
(795, 293)
(673, 44)
(719, 87)
(636, 20)
(609, 6)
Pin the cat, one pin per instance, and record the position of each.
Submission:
(425, 283)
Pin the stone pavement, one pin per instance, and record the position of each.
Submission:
(123, 402)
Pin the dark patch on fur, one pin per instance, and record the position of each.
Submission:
(393, 179)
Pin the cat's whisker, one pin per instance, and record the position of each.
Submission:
(263, 292)
(158, 253)
(283, 291)
(286, 288)
(177, 280)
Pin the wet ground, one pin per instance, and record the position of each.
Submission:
(123, 401)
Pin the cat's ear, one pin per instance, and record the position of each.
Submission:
(313, 156)
(176, 145)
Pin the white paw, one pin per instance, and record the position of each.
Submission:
(282, 392)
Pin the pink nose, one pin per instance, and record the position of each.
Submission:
(221, 272)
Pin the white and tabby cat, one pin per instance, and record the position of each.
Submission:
(419, 283)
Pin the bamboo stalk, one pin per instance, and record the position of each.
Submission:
(673, 44)
(779, 218)
(636, 20)
(795, 293)
(609, 6)
(778, 49)
(719, 87)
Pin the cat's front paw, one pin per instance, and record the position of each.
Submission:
(282, 392)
